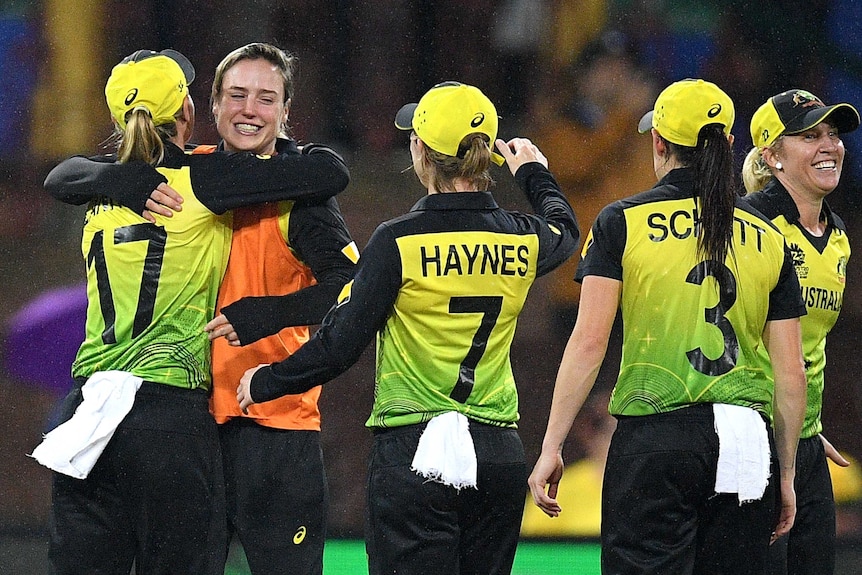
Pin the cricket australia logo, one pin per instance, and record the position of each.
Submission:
(798, 256)
(805, 99)
(841, 269)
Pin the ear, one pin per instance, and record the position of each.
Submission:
(286, 111)
(186, 121)
(420, 149)
(658, 144)
(188, 109)
(189, 112)
(769, 157)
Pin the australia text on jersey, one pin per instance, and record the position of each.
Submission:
(681, 224)
(822, 298)
(471, 259)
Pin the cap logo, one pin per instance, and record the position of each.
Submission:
(765, 135)
(806, 99)
(477, 120)
(130, 97)
(714, 111)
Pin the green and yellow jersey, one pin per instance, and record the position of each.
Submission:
(440, 288)
(692, 328)
(821, 267)
(152, 286)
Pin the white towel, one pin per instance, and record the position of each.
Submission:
(73, 447)
(445, 453)
(743, 452)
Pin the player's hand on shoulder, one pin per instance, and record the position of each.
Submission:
(164, 201)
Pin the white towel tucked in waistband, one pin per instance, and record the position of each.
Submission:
(445, 453)
(73, 447)
(743, 452)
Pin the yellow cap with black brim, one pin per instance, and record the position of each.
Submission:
(795, 111)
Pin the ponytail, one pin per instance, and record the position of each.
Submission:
(142, 140)
(472, 163)
(712, 162)
(755, 172)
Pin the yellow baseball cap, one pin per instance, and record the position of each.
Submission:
(448, 113)
(795, 111)
(684, 107)
(158, 81)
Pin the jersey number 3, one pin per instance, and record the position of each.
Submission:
(716, 316)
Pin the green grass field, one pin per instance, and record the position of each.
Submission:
(347, 557)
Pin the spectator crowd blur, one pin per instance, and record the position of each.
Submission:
(573, 75)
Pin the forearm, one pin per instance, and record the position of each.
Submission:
(78, 180)
(243, 179)
(546, 198)
(254, 318)
(783, 341)
(575, 378)
(267, 385)
(584, 354)
(326, 356)
(788, 415)
(346, 330)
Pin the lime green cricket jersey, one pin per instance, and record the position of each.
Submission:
(152, 286)
(821, 266)
(691, 328)
(440, 288)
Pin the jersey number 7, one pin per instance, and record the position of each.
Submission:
(489, 307)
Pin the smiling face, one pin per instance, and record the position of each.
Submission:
(251, 108)
(811, 160)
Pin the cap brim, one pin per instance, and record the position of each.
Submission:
(404, 117)
(843, 117)
(184, 63)
(645, 125)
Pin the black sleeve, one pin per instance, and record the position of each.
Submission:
(558, 233)
(226, 180)
(221, 180)
(319, 236)
(346, 330)
(79, 179)
(606, 243)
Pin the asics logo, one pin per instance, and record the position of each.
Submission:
(477, 120)
(714, 111)
(130, 97)
(299, 536)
